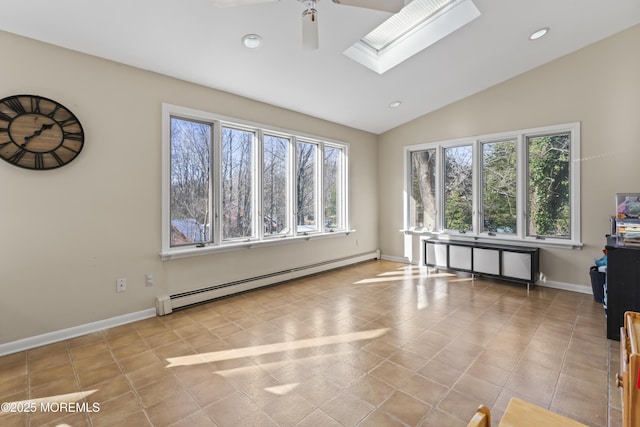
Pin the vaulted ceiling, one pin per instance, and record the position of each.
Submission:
(198, 42)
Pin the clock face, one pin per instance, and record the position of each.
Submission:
(38, 133)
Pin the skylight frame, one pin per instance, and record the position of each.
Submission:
(437, 23)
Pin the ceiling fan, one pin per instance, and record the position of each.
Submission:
(310, 14)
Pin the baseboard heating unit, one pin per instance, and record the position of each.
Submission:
(167, 304)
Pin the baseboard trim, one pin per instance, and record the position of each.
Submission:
(76, 331)
(565, 286)
(403, 260)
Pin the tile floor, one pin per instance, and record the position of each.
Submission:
(376, 344)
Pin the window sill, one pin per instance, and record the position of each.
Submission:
(193, 251)
(540, 243)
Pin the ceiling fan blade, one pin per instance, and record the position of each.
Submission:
(385, 5)
(310, 29)
(234, 3)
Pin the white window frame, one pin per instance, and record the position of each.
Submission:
(341, 184)
(217, 243)
(520, 238)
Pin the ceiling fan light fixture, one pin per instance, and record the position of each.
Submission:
(310, 28)
(251, 41)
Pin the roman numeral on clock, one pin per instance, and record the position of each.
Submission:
(15, 104)
(75, 136)
(15, 157)
(58, 159)
(35, 104)
(39, 161)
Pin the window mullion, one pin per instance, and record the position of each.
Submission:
(258, 179)
(320, 213)
(574, 187)
(521, 186)
(293, 196)
(439, 188)
(216, 183)
(476, 187)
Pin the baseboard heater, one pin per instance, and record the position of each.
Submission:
(167, 304)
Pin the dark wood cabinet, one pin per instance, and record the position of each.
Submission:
(623, 286)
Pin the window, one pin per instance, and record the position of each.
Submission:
(275, 185)
(499, 181)
(422, 209)
(513, 186)
(306, 183)
(458, 188)
(227, 183)
(237, 183)
(332, 188)
(549, 190)
(190, 182)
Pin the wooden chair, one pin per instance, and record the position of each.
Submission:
(482, 418)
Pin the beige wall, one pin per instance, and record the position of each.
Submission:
(598, 86)
(67, 234)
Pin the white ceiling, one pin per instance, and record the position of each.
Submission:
(195, 41)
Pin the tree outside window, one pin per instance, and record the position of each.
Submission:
(232, 183)
(306, 177)
(275, 172)
(458, 188)
(237, 183)
(499, 182)
(422, 209)
(520, 185)
(332, 187)
(549, 194)
(190, 219)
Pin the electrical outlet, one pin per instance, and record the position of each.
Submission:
(148, 280)
(121, 285)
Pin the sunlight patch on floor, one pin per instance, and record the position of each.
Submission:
(272, 366)
(235, 353)
(281, 390)
(400, 277)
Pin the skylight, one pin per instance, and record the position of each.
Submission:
(418, 25)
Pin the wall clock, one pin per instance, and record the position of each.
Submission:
(38, 133)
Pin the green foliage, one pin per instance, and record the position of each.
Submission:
(499, 186)
(459, 188)
(549, 191)
(548, 186)
(458, 212)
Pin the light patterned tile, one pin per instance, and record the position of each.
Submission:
(406, 408)
(477, 342)
(347, 409)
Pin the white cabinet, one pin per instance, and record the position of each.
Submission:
(436, 255)
(460, 257)
(486, 261)
(517, 263)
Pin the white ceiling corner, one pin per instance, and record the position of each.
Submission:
(196, 41)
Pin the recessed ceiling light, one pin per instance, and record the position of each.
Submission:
(252, 41)
(395, 104)
(539, 33)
